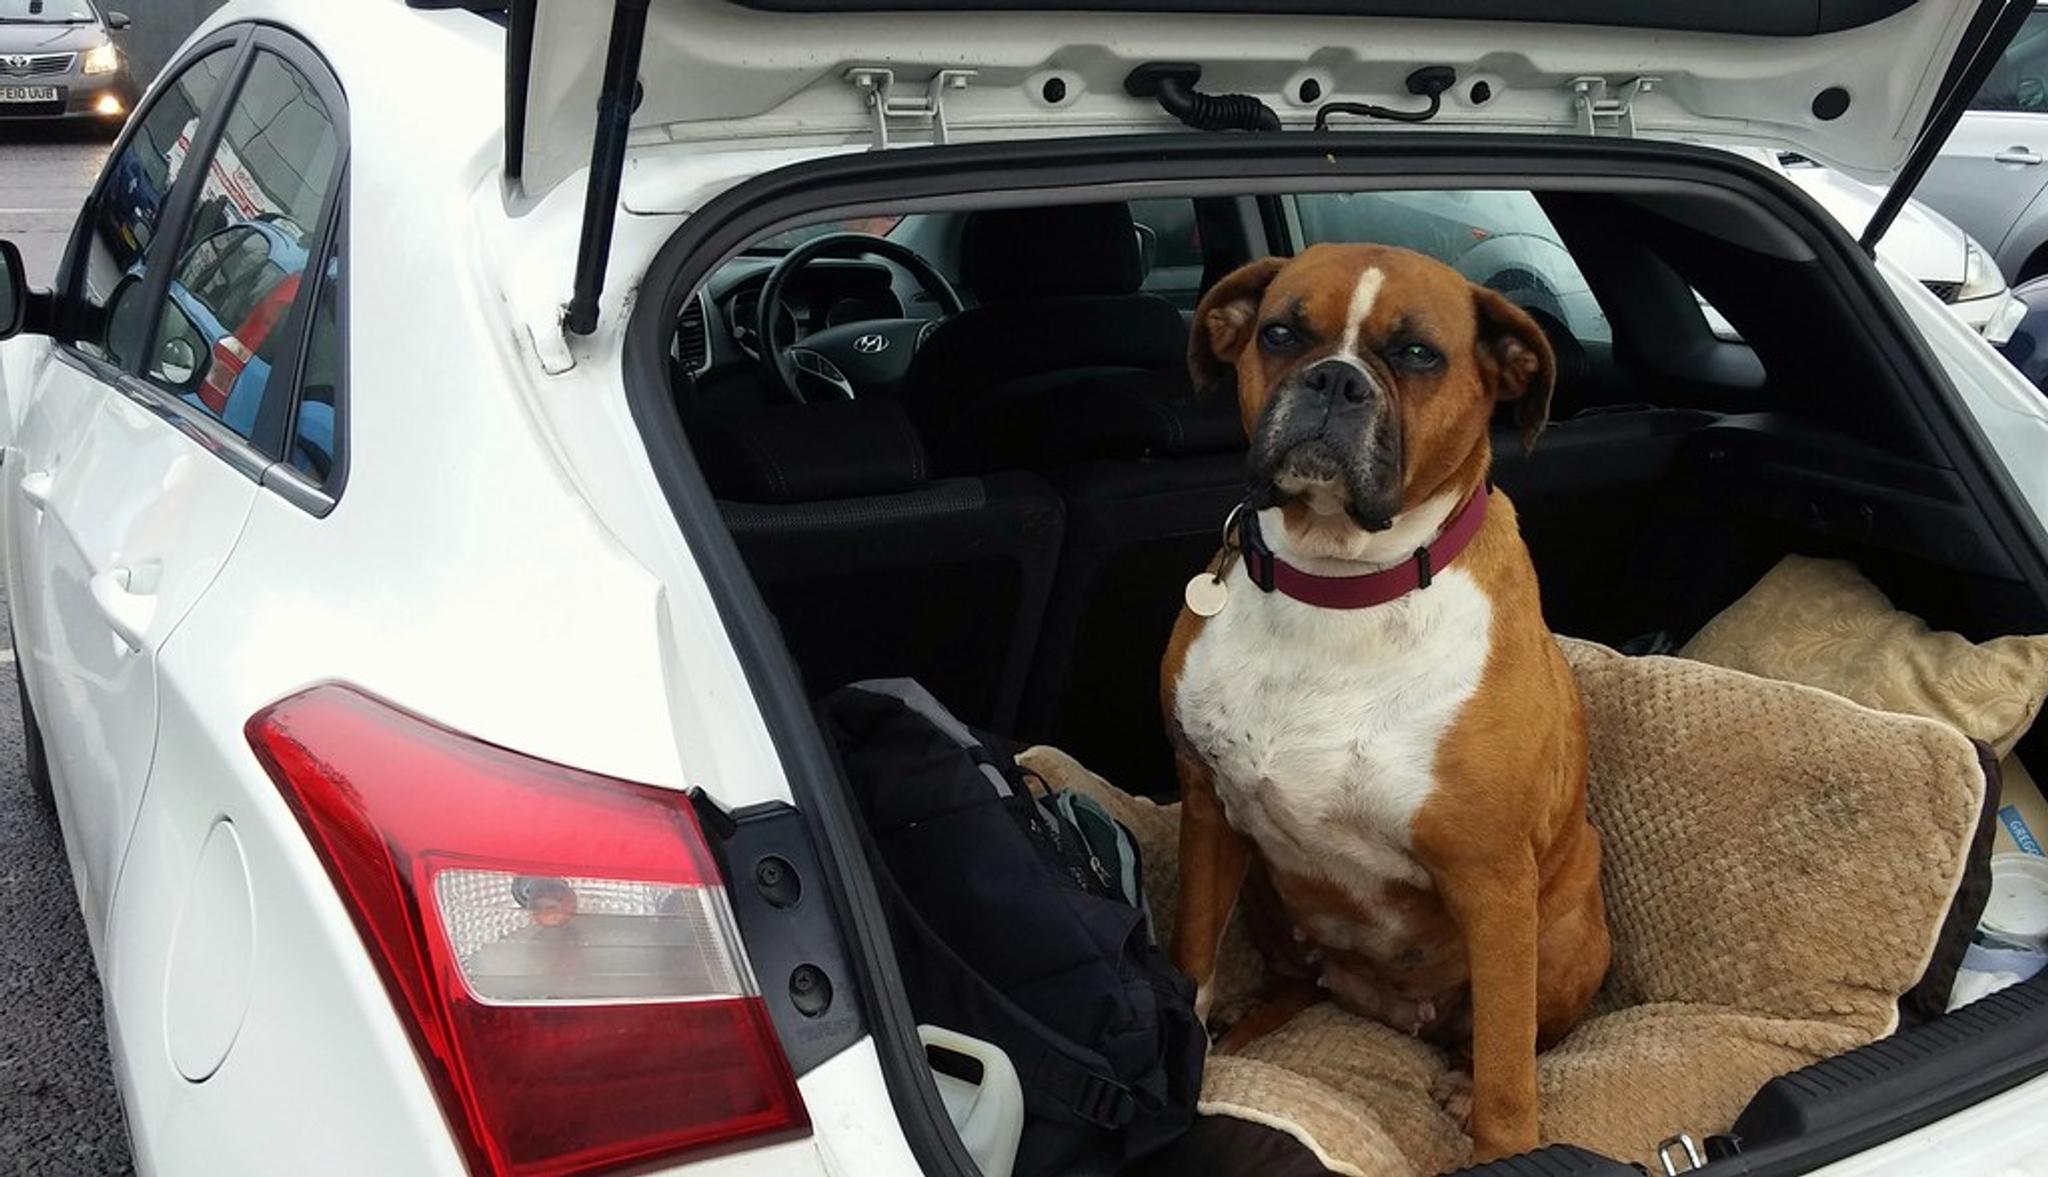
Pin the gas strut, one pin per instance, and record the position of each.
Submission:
(615, 101)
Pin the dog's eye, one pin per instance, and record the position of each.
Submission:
(1278, 336)
(1414, 356)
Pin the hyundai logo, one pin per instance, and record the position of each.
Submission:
(868, 345)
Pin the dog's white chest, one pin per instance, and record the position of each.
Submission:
(1321, 726)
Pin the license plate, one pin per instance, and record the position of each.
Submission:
(28, 93)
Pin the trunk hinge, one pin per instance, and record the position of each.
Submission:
(1601, 106)
(926, 111)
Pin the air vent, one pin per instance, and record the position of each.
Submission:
(693, 340)
(1945, 291)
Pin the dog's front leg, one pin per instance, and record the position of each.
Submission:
(1494, 903)
(1212, 868)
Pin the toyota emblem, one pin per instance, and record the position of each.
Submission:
(16, 62)
(870, 344)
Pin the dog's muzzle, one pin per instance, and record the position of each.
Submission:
(1331, 428)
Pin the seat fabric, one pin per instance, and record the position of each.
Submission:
(873, 569)
(1059, 303)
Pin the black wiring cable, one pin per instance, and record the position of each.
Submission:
(1430, 82)
(1215, 112)
(1172, 85)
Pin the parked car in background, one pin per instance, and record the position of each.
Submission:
(1954, 266)
(1988, 177)
(58, 60)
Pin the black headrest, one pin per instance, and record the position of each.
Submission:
(1050, 251)
(804, 453)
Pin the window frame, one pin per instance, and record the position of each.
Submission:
(287, 479)
(262, 456)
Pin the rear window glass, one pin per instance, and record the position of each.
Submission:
(790, 239)
(1500, 239)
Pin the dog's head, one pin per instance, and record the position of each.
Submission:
(1366, 377)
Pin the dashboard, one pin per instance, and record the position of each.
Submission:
(721, 327)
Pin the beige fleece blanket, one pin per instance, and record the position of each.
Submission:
(1778, 861)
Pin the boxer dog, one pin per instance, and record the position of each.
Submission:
(1379, 744)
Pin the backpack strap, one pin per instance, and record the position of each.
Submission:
(1091, 1095)
(912, 695)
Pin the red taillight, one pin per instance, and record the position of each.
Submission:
(558, 944)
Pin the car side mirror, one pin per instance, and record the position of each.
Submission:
(177, 361)
(118, 20)
(183, 354)
(21, 309)
(13, 291)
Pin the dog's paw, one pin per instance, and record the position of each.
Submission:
(1453, 1092)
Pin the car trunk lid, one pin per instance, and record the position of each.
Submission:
(1849, 83)
(1859, 85)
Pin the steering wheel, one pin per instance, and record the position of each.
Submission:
(866, 354)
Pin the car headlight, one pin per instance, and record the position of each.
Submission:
(104, 59)
(1981, 278)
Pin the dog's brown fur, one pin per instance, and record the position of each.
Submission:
(1510, 943)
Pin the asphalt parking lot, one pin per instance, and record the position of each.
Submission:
(57, 1109)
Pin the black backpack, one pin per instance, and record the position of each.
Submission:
(1021, 921)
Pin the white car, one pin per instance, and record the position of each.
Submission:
(365, 534)
(1949, 262)
(1988, 177)
(1952, 264)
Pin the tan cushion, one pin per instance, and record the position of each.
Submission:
(1778, 863)
(1820, 622)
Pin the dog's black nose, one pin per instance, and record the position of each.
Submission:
(1334, 378)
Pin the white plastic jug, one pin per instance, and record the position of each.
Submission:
(988, 1115)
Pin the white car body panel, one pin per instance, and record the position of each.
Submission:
(2004, 1136)
(2006, 406)
(1923, 241)
(51, 427)
(732, 75)
(550, 557)
(136, 501)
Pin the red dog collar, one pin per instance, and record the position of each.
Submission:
(1365, 590)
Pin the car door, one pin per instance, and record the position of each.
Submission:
(57, 470)
(147, 506)
(1995, 163)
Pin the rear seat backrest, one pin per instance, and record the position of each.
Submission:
(1136, 531)
(1060, 304)
(874, 569)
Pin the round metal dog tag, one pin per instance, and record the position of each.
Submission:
(1206, 594)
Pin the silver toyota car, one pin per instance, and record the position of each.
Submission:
(58, 60)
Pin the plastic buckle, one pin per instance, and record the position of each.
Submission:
(1423, 572)
(1104, 1102)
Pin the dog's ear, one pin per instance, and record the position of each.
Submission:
(1516, 360)
(1223, 325)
